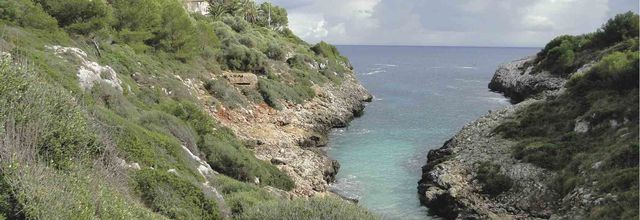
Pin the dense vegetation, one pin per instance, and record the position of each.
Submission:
(63, 146)
(589, 134)
(565, 54)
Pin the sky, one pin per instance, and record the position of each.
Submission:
(524, 23)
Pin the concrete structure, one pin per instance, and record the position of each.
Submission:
(242, 79)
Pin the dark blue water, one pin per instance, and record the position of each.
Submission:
(423, 96)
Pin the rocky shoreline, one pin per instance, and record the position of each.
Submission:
(289, 138)
(449, 185)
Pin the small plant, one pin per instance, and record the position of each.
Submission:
(493, 182)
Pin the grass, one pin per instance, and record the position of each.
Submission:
(313, 208)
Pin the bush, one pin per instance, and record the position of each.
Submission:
(493, 183)
(79, 193)
(238, 24)
(618, 71)
(240, 196)
(177, 34)
(274, 91)
(242, 58)
(109, 97)
(80, 16)
(328, 51)
(58, 120)
(313, 208)
(170, 125)
(173, 196)
(225, 92)
(26, 14)
(558, 56)
(275, 52)
(137, 21)
(621, 27)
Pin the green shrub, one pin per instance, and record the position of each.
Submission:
(247, 41)
(621, 27)
(80, 16)
(26, 14)
(273, 91)
(240, 196)
(170, 125)
(328, 51)
(275, 52)
(618, 71)
(80, 192)
(604, 98)
(493, 182)
(225, 92)
(314, 208)
(177, 34)
(559, 55)
(136, 21)
(105, 95)
(242, 58)
(149, 148)
(238, 24)
(173, 196)
(51, 112)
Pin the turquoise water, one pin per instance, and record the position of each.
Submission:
(423, 96)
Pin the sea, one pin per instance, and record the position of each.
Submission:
(422, 97)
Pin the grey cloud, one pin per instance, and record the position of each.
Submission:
(450, 22)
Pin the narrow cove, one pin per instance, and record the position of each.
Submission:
(423, 96)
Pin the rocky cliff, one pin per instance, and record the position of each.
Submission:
(519, 80)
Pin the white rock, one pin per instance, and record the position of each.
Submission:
(581, 126)
(90, 72)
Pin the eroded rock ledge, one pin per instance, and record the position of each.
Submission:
(518, 80)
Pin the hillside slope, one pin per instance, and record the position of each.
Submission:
(121, 109)
(567, 150)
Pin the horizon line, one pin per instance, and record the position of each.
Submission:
(407, 45)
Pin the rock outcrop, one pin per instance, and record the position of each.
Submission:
(518, 80)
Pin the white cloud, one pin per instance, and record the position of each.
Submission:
(448, 22)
